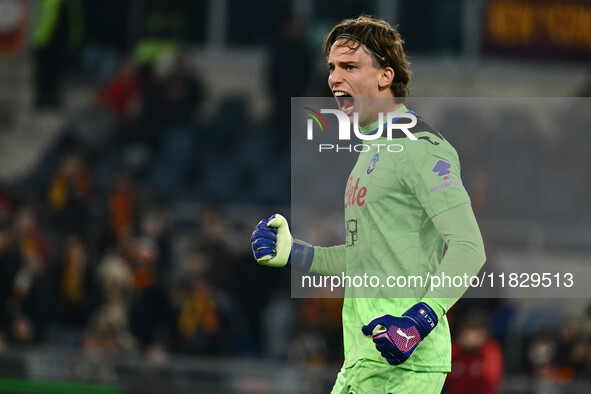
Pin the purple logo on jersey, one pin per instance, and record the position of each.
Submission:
(442, 169)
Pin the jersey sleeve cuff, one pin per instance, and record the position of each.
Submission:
(436, 306)
(301, 257)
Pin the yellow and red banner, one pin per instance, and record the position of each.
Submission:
(542, 29)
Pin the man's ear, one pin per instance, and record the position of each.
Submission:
(386, 77)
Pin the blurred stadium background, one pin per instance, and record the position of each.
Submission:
(132, 137)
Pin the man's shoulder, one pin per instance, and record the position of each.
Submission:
(424, 131)
(429, 141)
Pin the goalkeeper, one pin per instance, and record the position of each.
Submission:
(406, 207)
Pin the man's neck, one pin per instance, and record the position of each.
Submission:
(385, 109)
(370, 127)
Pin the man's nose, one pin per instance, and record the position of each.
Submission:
(334, 77)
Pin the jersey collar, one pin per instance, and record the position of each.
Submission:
(372, 128)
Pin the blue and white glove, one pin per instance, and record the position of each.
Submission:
(396, 338)
(272, 245)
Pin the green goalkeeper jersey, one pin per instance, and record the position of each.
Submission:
(395, 189)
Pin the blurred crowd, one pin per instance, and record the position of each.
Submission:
(114, 273)
(94, 255)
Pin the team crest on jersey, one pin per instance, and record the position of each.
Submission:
(373, 163)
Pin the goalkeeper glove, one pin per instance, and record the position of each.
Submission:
(272, 245)
(396, 338)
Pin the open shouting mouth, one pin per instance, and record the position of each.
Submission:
(346, 101)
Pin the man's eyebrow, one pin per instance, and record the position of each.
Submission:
(343, 63)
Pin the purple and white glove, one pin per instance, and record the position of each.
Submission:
(396, 338)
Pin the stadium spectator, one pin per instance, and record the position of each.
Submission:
(74, 291)
(558, 357)
(155, 224)
(27, 304)
(115, 281)
(319, 325)
(122, 210)
(181, 93)
(150, 312)
(541, 354)
(69, 197)
(123, 92)
(108, 331)
(208, 321)
(477, 359)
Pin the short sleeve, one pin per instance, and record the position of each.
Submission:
(431, 172)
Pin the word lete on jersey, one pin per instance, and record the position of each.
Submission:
(354, 195)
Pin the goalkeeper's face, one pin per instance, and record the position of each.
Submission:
(356, 81)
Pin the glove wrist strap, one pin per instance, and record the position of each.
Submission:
(424, 317)
(301, 257)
